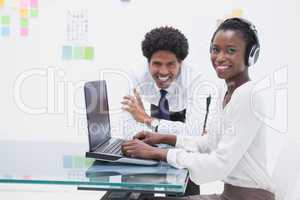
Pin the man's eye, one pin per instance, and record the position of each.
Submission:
(156, 64)
(171, 65)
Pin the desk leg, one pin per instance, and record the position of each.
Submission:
(114, 195)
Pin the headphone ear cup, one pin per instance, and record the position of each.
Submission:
(253, 55)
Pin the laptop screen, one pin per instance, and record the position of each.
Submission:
(97, 112)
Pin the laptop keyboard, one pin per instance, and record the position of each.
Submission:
(114, 147)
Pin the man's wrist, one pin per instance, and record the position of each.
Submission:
(154, 124)
(148, 120)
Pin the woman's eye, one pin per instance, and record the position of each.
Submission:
(231, 51)
(215, 50)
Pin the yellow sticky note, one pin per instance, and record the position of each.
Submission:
(237, 13)
(14, 4)
(24, 13)
(2, 3)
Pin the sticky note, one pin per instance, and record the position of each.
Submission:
(5, 31)
(89, 53)
(67, 162)
(2, 2)
(5, 20)
(27, 177)
(23, 3)
(237, 13)
(14, 4)
(33, 3)
(24, 13)
(33, 12)
(78, 53)
(24, 32)
(24, 22)
(67, 53)
(88, 162)
(78, 162)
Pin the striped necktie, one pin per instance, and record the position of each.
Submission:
(163, 106)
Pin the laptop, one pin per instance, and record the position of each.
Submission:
(101, 145)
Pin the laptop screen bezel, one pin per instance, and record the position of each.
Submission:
(99, 85)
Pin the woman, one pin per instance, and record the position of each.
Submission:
(237, 154)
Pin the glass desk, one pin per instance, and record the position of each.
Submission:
(64, 163)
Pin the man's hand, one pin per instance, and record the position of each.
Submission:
(135, 106)
(138, 149)
(148, 137)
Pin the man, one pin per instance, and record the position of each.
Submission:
(165, 84)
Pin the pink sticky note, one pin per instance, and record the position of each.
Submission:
(27, 177)
(34, 3)
(24, 32)
(24, 3)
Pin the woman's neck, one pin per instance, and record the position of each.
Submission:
(237, 81)
(234, 83)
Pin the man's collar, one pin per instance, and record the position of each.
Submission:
(172, 88)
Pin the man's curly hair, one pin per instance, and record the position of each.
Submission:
(167, 39)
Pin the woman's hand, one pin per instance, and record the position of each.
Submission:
(156, 138)
(139, 149)
(149, 137)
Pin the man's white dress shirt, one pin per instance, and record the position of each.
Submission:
(183, 93)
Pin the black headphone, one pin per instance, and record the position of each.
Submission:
(252, 52)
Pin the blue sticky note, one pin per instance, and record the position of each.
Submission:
(67, 53)
(5, 31)
(67, 162)
(78, 53)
